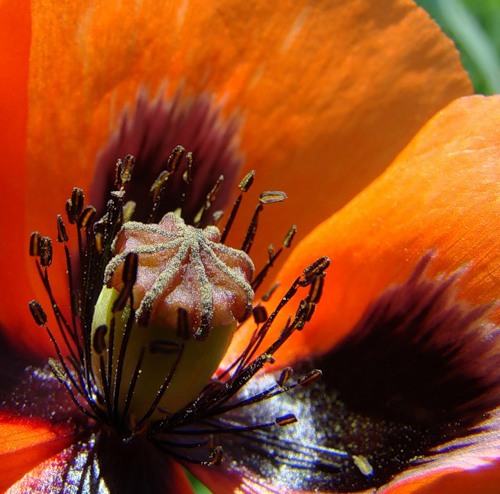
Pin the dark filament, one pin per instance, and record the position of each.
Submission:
(210, 414)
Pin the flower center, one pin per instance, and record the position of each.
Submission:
(153, 309)
(172, 298)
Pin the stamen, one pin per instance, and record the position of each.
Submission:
(272, 196)
(259, 314)
(61, 376)
(285, 375)
(45, 247)
(244, 186)
(267, 296)
(62, 235)
(158, 188)
(268, 197)
(273, 256)
(109, 378)
(210, 198)
(74, 205)
(38, 313)
(286, 420)
(124, 171)
(215, 457)
(363, 464)
(34, 249)
(59, 367)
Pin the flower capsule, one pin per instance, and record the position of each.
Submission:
(172, 298)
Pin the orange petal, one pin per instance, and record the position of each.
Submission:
(441, 192)
(335, 85)
(484, 480)
(329, 91)
(24, 443)
(15, 34)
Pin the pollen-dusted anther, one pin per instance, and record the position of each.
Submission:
(290, 236)
(266, 197)
(173, 163)
(216, 457)
(175, 159)
(74, 205)
(316, 289)
(86, 217)
(316, 269)
(311, 376)
(286, 420)
(247, 181)
(38, 313)
(271, 196)
(259, 314)
(35, 244)
(183, 267)
(62, 235)
(158, 189)
(124, 170)
(284, 377)
(45, 247)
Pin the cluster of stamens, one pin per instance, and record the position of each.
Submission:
(93, 358)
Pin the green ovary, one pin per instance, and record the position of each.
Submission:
(195, 366)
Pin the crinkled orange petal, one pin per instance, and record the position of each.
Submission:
(24, 443)
(329, 91)
(484, 480)
(442, 193)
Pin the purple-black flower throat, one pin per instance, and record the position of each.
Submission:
(396, 390)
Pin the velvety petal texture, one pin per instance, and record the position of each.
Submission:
(99, 465)
(440, 193)
(256, 60)
(24, 444)
(319, 96)
(15, 37)
(484, 480)
(320, 130)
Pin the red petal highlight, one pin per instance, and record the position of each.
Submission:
(24, 443)
(83, 464)
(484, 480)
(15, 38)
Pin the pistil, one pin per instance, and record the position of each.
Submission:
(184, 296)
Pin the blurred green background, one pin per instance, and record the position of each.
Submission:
(474, 25)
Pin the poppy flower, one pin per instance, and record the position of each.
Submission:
(372, 365)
